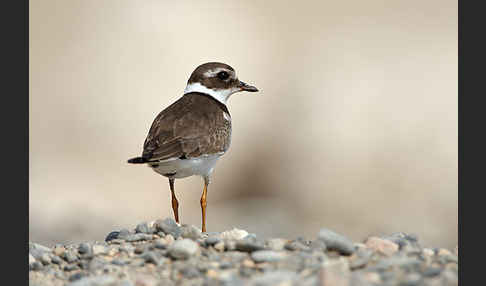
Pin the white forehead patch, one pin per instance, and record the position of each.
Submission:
(221, 95)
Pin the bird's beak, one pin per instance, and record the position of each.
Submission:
(246, 87)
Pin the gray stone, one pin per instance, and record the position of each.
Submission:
(267, 256)
(99, 249)
(183, 249)
(103, 280)
(112, 235)
(335, 272)
(138, 237)
(145, 227)
(212, 240)
(69, 256)
(190, 272)
(84, 248)
(336, 241)
(37, 250)
(276, 244)
(190, 231)
(361, 258)
(280, 277)
(45, 259)
(56, 259)
(249, 245)
(151, 257)
(296, 245)
(169, 226)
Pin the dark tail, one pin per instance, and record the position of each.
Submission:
(138, 160)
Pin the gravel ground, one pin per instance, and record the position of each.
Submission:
(164, 253)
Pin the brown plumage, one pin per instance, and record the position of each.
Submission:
(192, 126)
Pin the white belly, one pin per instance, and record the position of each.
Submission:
(202, 166)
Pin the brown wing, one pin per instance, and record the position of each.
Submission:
(191, 126)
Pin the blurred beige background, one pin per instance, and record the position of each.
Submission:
(355, 127)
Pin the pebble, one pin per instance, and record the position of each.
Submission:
(169, 226)
(37, 250)
(190, 231)
(335, 272)
(84, 248)
(183, 249)
(336, 241)
(280, 278)
(99, 249)
(220, 246)
(212, 240)
(112, 235)
(276, 243)
(31, 259)
(145, 227)
(383, 246)
(234, 234)
(69, 256)
(45, 259)
(58, 250)
(103, 280)
(267, 256)
(151, 257)
(138, 237)
(248, 245)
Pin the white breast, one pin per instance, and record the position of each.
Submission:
(202, 166)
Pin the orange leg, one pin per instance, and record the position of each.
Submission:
(203, 204)
(175, 203)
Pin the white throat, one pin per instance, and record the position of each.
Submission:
(221, 95)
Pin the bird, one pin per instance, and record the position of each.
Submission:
(188, 137)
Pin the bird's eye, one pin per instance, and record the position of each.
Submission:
(223, 75)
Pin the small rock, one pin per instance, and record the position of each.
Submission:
(169, 238)
(382, 246)
(336, 241)
(56, 259)
(276, 244)
(84, 248)
(31, 259)
(248, 245)
(234, 234)
(145, 227)
(151, 257)
(160, 243)
(69, 256)
(183, 249)
(76, 276)
(318, 245)
(212, 240)
(112, 235)
(190, 231)
(220, 246)
(267, 256)
(45, 259)
(138, 237)
(191, 272)
(103, 280)
(59, 250)
(279, 277)
(335, 272)
(411, 279)
(99, 249)
(36, 266)
(169, 226)
(360, 258)
(296, 245)
(38, 250)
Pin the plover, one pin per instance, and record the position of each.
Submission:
(188, 137)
